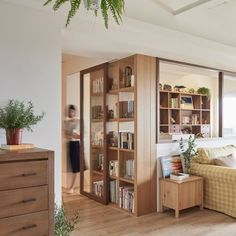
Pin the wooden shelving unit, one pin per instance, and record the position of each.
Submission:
(114, 132)
(139, 181)
(174, 118)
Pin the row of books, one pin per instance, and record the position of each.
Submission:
(113, 168)
(113, 195)
(126, 140)
(127, 198)
(97, 138)
(129, 169)
(98, 188)
(127, 109)
(97, 112)
(98, 85)
(98, 162)
(174, 103)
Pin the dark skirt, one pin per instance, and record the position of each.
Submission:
(74, 154)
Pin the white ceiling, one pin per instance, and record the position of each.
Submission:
(213, 20)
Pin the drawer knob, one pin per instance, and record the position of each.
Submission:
(29, 200)
(29, 226)
(28, 174)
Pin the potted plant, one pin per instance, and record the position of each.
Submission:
(16, 116)
(116, 8)
(204, 90)
(187, 153)
(63, 225)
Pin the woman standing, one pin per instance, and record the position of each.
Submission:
(72, 133)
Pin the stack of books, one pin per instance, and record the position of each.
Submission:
(98, 162)
(174, 102)
(98, 188)
(113, 168)
(98, 85)
(126, 140)
(127, 198)
(179, 176)
(129, 169)
(113, 184)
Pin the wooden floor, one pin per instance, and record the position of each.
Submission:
(98, 220)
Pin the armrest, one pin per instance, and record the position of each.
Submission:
(213, 172)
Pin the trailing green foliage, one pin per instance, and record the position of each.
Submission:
(18, 115)
(63, 225)
(115, 7)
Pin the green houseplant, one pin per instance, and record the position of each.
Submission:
(187, 153)
(16, 116)
(63, 225)
(204, 90)
(113, 7)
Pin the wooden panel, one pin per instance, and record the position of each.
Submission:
(145, 130)
(23, 174)
(170, 190)
(190, 194)
(27, 154)
(51, 194)
(23, 201)
(25, 225)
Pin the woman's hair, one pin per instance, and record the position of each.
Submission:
(71, 107)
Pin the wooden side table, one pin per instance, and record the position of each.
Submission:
(181, 195)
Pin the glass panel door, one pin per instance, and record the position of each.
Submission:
(94, 174)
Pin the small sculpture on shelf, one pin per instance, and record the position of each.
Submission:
(127, 76)
(186, 130)
(167, 87)
(160, 87)
(191, 90)
(111, 114)
(172, 120)
(180, 88)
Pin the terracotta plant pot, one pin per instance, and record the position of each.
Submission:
(14, 136)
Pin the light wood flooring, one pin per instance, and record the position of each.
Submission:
(98, 220)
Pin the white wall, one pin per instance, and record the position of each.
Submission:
(30, 69)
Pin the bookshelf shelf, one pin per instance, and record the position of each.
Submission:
(113, 91)
(97, 94)
(177, 117)
(113, 120)
(126, 119)
(97, 146)
(113, 148)
(97, 120)
(126, 89)
(113, 177)
(98, 172)
(126, 150)
(130, 181)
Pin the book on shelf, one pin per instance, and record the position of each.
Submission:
(97, 112)
(127, 198)
(179, 176)
(126, 140)
(113, 168)
(127, 109)
(98, 162)
(98, 188)
(113, 139)
(174, 102)
(129, 169)
(97, 137)
(113, 195)
(98, 85)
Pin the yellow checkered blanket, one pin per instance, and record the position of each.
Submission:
(219, 187)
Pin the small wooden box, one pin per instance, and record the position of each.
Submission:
(181, 195)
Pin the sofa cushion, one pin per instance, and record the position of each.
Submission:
(208, 155)
(228, 161)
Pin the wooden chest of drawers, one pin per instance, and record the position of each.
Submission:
(27, 192)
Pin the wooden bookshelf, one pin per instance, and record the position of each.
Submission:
(144, 174)
(174, 117)
(124, 106)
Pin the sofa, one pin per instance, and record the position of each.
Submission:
(219, 181)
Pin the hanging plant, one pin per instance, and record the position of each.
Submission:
(115, 7)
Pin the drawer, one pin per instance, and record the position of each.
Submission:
(25, 225)
(23, 174)
(23, 201)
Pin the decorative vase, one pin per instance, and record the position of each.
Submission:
(14, 136)
(185, 164)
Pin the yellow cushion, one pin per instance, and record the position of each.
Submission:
(207, 155)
